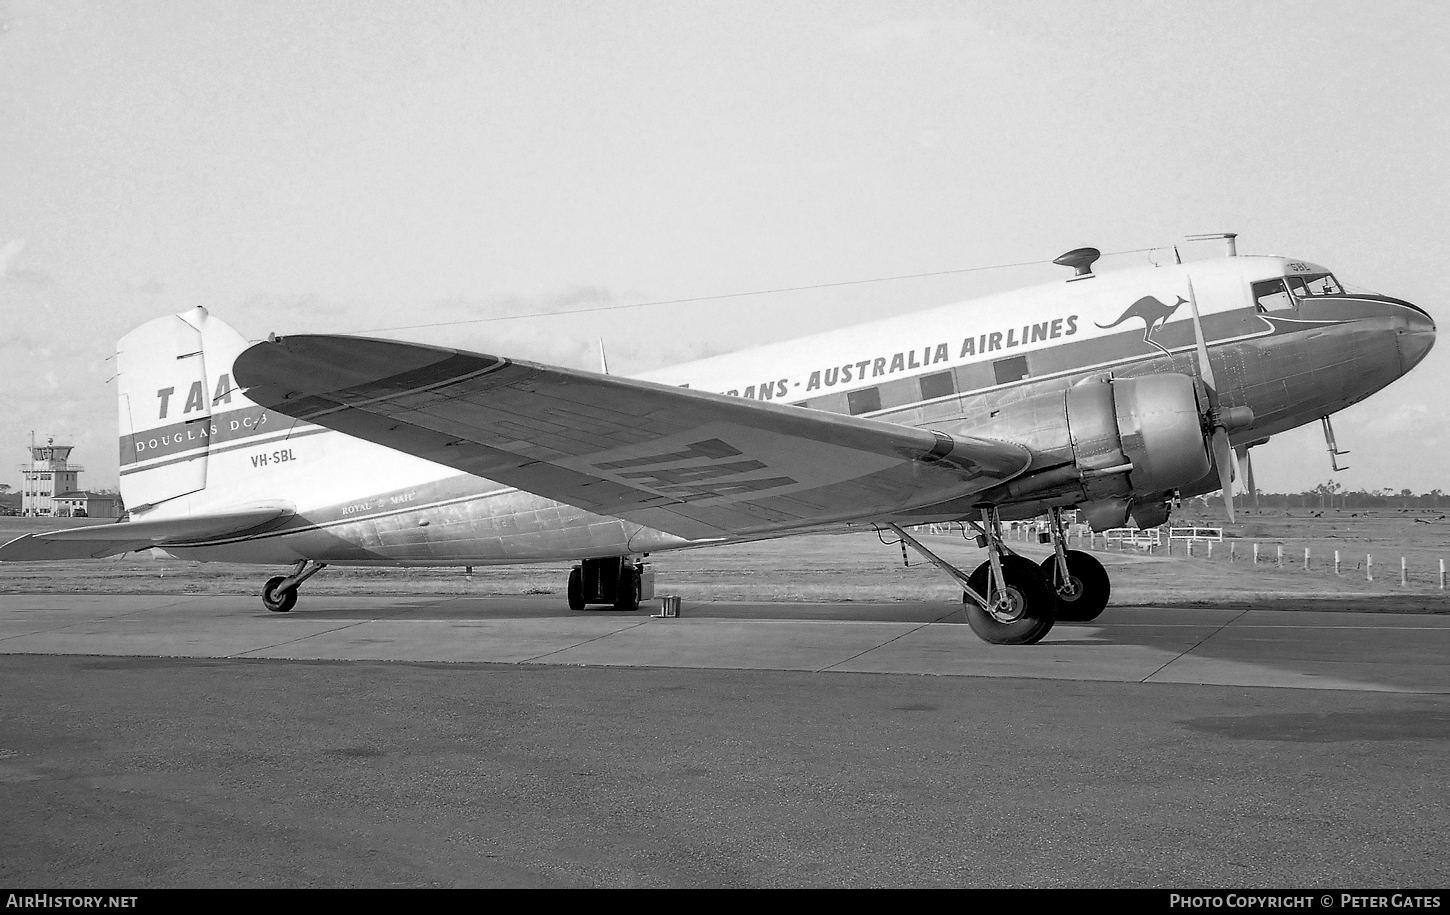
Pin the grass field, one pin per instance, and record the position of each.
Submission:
(857, 566)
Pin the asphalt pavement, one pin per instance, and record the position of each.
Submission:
(156, 741)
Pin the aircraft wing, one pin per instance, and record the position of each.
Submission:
(99, 540)
(692, 463)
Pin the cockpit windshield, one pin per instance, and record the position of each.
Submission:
(1314, 284)
(1284, 294)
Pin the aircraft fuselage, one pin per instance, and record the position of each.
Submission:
(1290, 353)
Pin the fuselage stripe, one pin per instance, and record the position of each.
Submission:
(202, 451)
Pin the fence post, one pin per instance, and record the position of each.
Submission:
(1256, 554)
(1404, 581)
(1368, 567)
(1442, 575)
(1306, 559)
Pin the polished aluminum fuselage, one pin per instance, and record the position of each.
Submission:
(370, 506)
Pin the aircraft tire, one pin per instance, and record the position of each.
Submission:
(626, 595)
(1094, 587)
(278, 601)
(576, 590)
(1031, 602)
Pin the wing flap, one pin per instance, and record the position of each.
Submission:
(101, 540)
(691, 463)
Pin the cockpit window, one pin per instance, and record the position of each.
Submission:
(1284, 294)
(1315, 284)
(1272, 296)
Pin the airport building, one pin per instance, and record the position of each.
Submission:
(51, 486)
(86, 504)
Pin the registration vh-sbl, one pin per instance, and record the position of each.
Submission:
(1110, 392)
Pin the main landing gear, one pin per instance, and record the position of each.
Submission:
(1010, 600)
(280, 594)
(1081, 582)
(1007, 600)
(618, 581)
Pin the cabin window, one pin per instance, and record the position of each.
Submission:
(973, 377)
(1317, 284)
(866, 400)
(898, 393)
(829, 403)
(1272, 296)
(1010, 370)
(937, 384)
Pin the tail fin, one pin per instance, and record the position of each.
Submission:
(174, 379)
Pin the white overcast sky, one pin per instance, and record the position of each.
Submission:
(319, 166)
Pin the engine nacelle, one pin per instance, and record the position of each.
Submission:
(1152, 423)
(1107, 443)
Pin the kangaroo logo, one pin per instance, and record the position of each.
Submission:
(1154, 314)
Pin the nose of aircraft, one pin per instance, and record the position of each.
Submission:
(1415, 338)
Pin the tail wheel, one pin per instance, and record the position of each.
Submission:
(1088, 587)
(626, 596)
(576, 589)
(1019, 614)
(275, 600)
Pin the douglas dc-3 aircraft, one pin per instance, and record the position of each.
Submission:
(1111, 393)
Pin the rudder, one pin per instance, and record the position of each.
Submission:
(173, 374)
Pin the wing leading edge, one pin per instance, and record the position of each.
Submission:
(690, 463)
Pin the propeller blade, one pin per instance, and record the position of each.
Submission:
(1223, 449)
(1223, 457)
(1205, 368)
(1249, 478)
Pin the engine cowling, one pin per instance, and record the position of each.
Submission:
(1114, 445)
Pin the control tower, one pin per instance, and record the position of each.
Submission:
(48, 474)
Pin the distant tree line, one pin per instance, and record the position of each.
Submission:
(1332, 495)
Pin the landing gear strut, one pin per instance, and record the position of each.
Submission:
(616, 580)
(280, 594)
(1081, 582)
(1007, 600)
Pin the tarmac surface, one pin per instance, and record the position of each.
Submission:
(173, 740)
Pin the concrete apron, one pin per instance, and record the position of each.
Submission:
(1227, 647)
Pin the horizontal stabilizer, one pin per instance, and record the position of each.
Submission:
(693, 463)
(125, 537)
